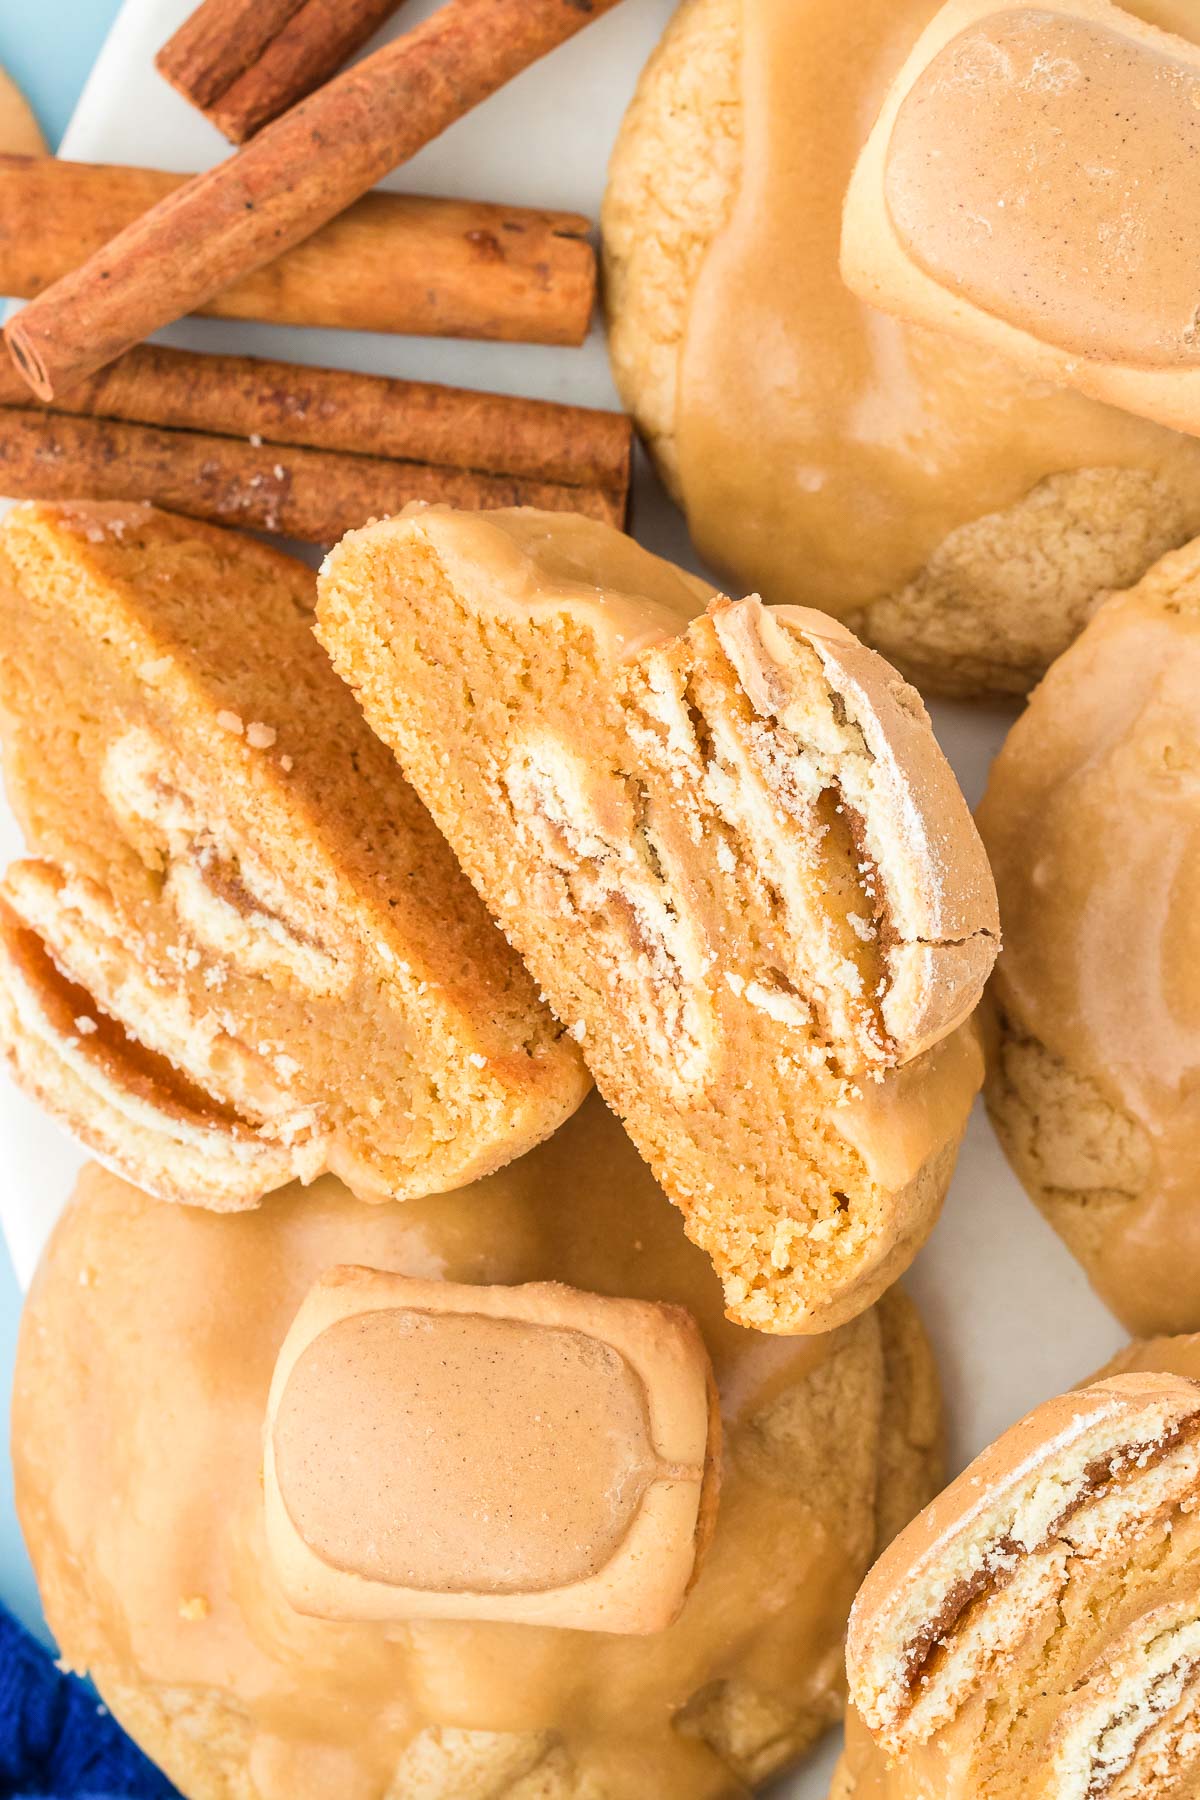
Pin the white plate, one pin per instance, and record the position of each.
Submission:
(1010, 1313)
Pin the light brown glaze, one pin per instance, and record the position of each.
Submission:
(148, 1347)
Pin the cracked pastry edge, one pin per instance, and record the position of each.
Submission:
(180, 1148)
(939, 892)
(994, 1547)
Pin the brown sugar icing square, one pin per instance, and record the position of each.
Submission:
(534, 1454)
(1031, 185)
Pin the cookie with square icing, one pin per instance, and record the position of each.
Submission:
(146, 1359)
(960, 513)
(238, 951)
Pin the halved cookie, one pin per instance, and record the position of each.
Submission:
(730, 851)
(1036, 1631)
(240, 951)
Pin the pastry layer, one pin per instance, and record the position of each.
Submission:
(1037, 1629)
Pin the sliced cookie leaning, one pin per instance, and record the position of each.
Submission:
(239, 951)
(1037, 1629)
(732, 855)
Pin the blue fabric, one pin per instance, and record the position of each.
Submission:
(56, 1741)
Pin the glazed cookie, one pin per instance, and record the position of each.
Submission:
(239, 952)
(728, 847)
(959, 513)
(1092, 822)
(1035, 1634)
(132, 1380)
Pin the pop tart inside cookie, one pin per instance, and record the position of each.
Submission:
(724, 840)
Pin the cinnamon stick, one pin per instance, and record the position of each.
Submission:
(220, 39)
(309, 453)
(289, 179)
(243, 62)
(314, 495)
(340, 409)
(391, 262)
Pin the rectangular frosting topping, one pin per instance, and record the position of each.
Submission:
(1047, 168)
(536, 1454)
(1031, 185)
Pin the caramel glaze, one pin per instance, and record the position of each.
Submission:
(1092, 823)
(826, 449)
(146, 1357)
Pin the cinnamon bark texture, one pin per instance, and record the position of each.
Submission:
(243, 62)
(291, 178)
(390, 262)
(308, 453)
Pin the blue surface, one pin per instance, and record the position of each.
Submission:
(57, 1742)
(48, 47)
(17, 1589)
